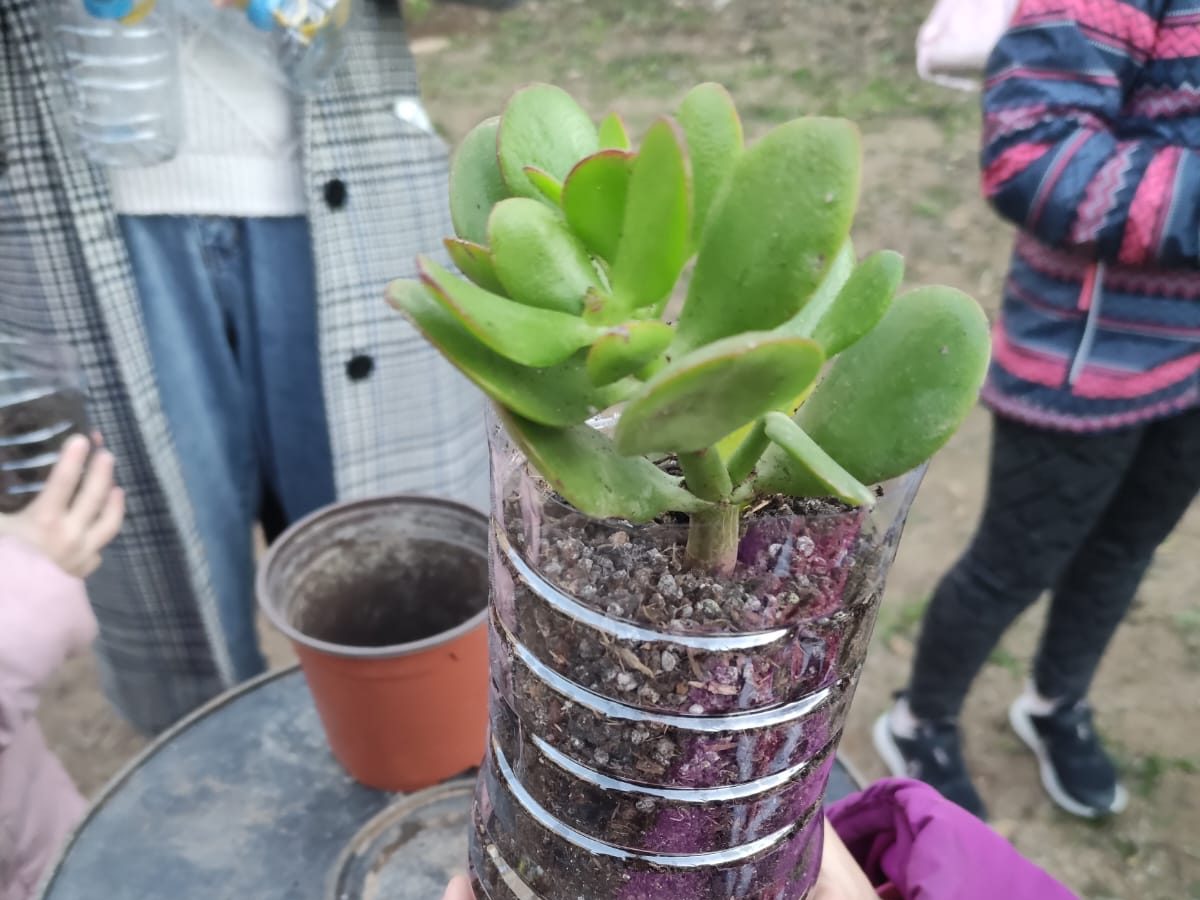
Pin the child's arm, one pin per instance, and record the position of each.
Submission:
(44, 550)
(1063, 157)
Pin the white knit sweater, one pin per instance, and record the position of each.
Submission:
(240, 152)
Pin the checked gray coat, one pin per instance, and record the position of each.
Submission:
(376, 189)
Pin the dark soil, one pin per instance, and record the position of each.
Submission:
(29, 431)
(698, 714)
(430, 589)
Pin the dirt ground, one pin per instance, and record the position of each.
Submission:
(782, 58)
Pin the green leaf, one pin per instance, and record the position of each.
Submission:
(627, 350)
(548, 186)
(543, 127)
(613, 133)
(859, 305)
(803, 323)
(773, 230)
(476, 184)
(537, 258)
(715, 141)
(594, 199)
(475, 262)
(583, 466)
(818, 474)
(557, 396)
(525, 334)
(655, 233)
(890, 401)
(697, 400)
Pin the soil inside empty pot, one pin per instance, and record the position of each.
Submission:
(379, 594)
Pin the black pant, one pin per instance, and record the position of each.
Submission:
(1080, 514)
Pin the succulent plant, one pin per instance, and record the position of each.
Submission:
(790, 369)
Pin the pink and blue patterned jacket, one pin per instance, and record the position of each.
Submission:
(1092, 147)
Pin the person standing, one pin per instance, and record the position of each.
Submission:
(228, 308)
(1091, 140)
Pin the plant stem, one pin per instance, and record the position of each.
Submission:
(749, 452)
(713, 538)
(713, 534)
(706, 475)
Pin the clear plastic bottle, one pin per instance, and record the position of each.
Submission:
(300, 43)
(118, 65)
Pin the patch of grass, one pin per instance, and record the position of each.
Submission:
(1188, 621)
(651, 74)
(1005, 660)
(901, 619)
(1145, 773)
(1194, 890)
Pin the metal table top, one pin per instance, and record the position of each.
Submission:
(242, 800)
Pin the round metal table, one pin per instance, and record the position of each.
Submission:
(242, 800)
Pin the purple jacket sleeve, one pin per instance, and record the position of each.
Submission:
(905, 834)
(1066, 154)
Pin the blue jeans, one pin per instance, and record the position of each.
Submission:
(230, 314)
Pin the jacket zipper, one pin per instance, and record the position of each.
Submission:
(1093, 288)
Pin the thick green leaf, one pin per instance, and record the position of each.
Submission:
(715, 141)
(475, 262)
(582, 465)
(773, 230)
(859, 305)
(543, 127)
(818, 474)
(627, 350)
(548, 186)
(697, 400)
(476, 184)
(803, 323)
(594, 199)
(613, 133)
(525, 334)
(654, 241)
(537, 258)
(890, 401)
(557, 396)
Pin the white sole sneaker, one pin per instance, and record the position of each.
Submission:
(1022, 723)
(885, 746)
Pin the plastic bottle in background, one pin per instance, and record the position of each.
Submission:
(118, 65)
(299, 43)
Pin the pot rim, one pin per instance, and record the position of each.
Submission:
(336, 510)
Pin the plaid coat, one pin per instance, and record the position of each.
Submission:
(376, 190)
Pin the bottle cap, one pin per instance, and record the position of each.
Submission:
(108, 9)
(261, 13)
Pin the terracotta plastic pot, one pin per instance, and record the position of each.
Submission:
(385, 603)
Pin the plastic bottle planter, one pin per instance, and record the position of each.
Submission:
(659, 732)
(41, 405)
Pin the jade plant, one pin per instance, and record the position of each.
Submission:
(791, 368)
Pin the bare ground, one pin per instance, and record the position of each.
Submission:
(783, 58)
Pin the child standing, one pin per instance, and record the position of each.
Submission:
(44, 617)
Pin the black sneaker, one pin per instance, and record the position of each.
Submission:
(933, 755)
(1076, 771)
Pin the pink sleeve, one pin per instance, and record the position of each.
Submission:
(44, 618)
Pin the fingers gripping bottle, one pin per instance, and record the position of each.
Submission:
(118, 67)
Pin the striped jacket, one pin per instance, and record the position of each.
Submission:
(415, 425)
(1091, 140)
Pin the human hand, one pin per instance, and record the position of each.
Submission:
(77, 513)
(459, 889)
(841, 878)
